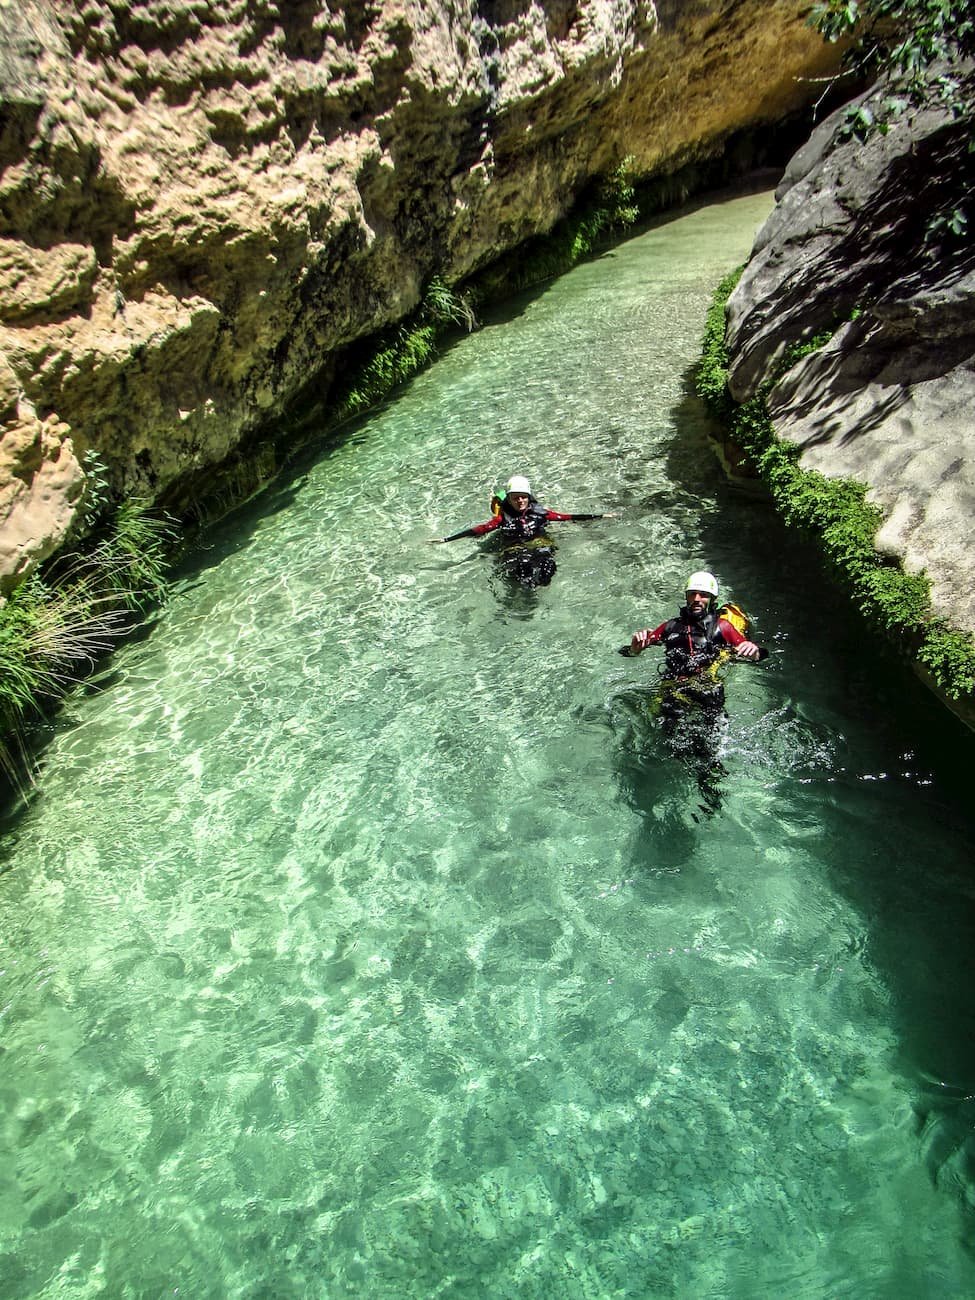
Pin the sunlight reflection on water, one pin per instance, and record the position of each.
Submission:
(363, 941)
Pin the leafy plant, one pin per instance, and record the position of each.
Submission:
(55, 626)
(920, 51)
(616, 195)
(918, 47)
(97, 490)
(444, 307)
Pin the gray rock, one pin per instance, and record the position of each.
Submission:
(889, 400)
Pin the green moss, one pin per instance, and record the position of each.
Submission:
(834, 511)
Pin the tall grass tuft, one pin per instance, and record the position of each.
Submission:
(445, 307)
(55, 626)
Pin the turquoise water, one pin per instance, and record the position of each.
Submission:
(364, 942)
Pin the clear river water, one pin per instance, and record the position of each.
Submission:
(363, 939)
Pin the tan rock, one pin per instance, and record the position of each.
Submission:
(42, 284)
(201, 204)
(41, 491)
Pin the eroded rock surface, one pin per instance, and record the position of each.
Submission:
(200, 203)
(852, 246)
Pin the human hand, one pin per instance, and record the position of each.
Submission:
(638, 641)
(747, 650)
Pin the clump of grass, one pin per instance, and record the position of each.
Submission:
(445, 307)
(55, 626)
(401, 353)
(835, 512)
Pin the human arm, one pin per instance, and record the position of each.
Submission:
(645, 637)
(560, 516)
(478, 530)
(740, 643)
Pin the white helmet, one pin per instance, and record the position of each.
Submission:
(518, 484)
(703, 582)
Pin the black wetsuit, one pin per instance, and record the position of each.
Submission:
(526, 555)
(692, 644)
(691, 698)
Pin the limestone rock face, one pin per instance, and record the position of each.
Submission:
(890, 399)
(41, 484)
(200, 203)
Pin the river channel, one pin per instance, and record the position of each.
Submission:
(363, 939)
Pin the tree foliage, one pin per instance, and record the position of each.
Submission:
(919, 48)
(922, 53)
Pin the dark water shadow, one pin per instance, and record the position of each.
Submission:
(895, 808)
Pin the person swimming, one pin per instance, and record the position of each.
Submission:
(690, 699)
(527, 555)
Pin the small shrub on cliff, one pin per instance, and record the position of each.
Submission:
(444, 307)
(921, 53)
(918, 47)
(947, 654)
(616, 195)
(97, 490)
(49, 636)
(836, 512)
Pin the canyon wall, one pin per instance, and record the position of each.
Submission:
(202, 203)
(861, 246)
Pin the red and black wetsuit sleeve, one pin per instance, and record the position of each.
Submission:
(729, 633)
(656, 634)
(478, 530)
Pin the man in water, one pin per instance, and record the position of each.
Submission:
(527, 555)
(691, 695)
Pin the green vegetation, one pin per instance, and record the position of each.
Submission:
(608, 208)
(400, 352)
(837, 513)
(920, 51)
(917, 47)
(55, 625)
(445, 308)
